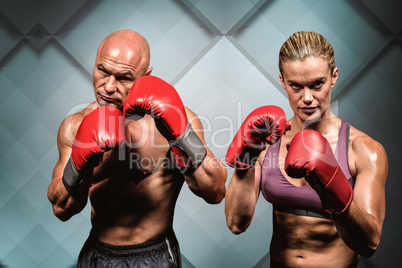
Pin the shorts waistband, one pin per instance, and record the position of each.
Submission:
(145, 249)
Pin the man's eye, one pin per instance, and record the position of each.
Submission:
(103, 71)
(123, 78)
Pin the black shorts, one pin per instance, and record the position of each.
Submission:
(164, 252)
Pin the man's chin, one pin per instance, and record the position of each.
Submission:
(104, 103)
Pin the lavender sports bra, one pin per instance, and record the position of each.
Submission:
(283, 194)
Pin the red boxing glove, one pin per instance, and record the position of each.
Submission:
(263, 125)
(151, 95)
(310, 156)
(100, 131)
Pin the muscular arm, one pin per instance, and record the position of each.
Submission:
(241, 198)
(65, 205)
(360, 226)
(263, 126)
(208, 180)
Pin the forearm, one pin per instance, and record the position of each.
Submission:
(240, 201)
(65, 205)
(72, 175)
(359, 230)
(208, 180)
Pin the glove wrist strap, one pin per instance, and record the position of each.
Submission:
(192, 146)
(72, 177)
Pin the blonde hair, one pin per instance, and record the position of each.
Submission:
(304, 44)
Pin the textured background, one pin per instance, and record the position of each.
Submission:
(222, 57)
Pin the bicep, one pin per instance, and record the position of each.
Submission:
(64, 146)
(196, 125)
(371, 174)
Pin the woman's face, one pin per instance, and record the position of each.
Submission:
(308, 83)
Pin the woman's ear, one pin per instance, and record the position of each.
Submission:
(334, 77)
(282, 81)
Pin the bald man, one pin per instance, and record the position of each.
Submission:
(125, 166)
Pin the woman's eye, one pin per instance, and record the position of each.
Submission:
(318, 85)
(295, 86)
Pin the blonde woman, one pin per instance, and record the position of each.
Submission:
(325, 178)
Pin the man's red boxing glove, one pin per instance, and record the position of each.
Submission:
(310, 156)
(100, 131)
(153, 96)
(263, 125)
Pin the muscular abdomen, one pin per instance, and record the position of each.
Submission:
(302, 241)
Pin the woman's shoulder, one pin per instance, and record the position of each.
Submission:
(365, 150)
(360, 141)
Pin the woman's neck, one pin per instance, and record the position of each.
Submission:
(325, 125)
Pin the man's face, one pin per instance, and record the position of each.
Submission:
(116, 69)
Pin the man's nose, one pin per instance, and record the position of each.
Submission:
(110, 85)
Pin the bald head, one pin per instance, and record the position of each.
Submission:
(129, 46)
(122, 58)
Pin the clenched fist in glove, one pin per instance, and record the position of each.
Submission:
(310, 156)
(100, 131)
(264, 125)
(153, 96)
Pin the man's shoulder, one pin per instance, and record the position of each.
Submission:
(76, 118)
(71, 123)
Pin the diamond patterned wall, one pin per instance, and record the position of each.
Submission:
(222, 58)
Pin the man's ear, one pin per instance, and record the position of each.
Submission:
(149, 71)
